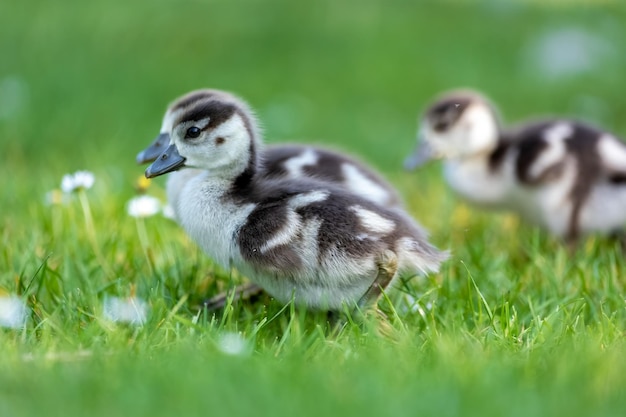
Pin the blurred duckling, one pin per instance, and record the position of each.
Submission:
(563, 175)
(301, 239)
(284, 161)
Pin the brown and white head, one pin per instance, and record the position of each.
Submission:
(173, 111)
(459, 124)
(216, 132)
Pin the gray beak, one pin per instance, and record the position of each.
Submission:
(168, 161)
(156, 148)
(420, 156)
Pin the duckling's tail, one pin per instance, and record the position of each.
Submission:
(419, 256)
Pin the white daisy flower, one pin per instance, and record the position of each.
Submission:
(232, 344)
(13, 312)
(130, 310)
(143, 206)
(76, 181)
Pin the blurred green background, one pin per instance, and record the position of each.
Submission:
(84, 84)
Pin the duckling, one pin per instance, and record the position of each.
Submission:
(301, 239)
(563, 175)
(280, 161)
(286, 161)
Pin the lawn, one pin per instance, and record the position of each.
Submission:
(514, 324)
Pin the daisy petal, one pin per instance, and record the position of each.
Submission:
(143, 206)
(13, 312)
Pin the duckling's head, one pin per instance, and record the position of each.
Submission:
(459, 124)
(214, 132)
(174, 109)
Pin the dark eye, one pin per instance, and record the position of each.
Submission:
(441, 125)
(193, 132)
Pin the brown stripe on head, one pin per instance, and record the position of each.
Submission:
(247, 123)
(448, 108)
(218, 108)
(193, 97)
(216, 111)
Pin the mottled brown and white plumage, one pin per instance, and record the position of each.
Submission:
(564, 175)
(301, 239)
(284, 160)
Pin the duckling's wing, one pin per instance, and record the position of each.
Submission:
(612, 153)
(340, 169)
(541, 152)
(265, 239)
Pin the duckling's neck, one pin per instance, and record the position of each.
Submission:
(484, 178)
(238, 169)
(245, 178)
(236, 179)
(206, 211)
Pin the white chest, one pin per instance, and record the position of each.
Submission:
(546, 204)
(209, 220)
(474, 181)
(175, 183)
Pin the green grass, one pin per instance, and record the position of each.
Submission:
(513, 324)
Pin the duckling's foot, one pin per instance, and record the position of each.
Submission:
(387, 265)
(242, 292)
(571, 246)
(619, 236)
(571, 243)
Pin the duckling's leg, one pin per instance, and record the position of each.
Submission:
(387, 265)
(619, 236)
(571, 243)
(240, 292)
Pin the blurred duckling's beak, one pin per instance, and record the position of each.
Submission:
(168, 161)
(156, 148)
(422, 154)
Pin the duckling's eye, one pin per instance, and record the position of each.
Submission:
(193, 132)
(441, 125)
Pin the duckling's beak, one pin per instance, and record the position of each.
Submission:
(168, 161)
(420, 156)
(156, 148)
